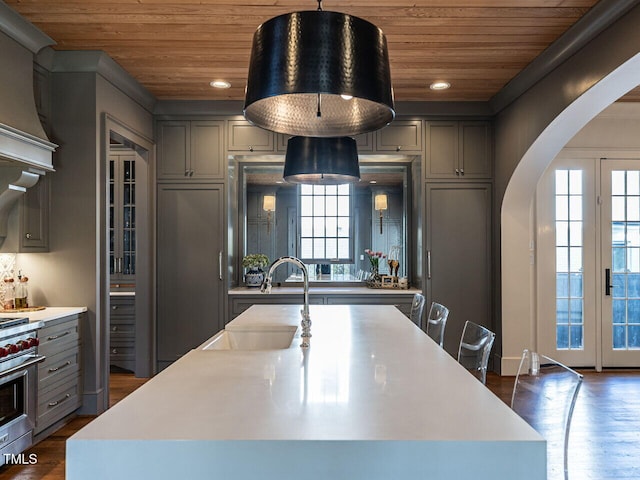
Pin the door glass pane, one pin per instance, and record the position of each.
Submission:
(569, 260)
(625, 257)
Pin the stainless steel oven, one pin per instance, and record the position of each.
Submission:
(18, 384)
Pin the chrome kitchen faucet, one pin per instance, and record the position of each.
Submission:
(266, 288)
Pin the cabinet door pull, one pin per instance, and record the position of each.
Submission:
(114, 307)
(58, 402)
(191, 173)
(220, 264)
(462, 172)
(55, 337)
(457, 171)
(27, 236)
(186, 173)
(64, 365)
(429, 264)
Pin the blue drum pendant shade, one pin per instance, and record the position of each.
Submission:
(316, 160)
(319, 74)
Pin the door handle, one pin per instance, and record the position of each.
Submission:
(429, 264)
(607, 282)
(220, 264)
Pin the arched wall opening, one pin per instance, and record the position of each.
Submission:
(517, 248)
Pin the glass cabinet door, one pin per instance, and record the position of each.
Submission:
(122, 216)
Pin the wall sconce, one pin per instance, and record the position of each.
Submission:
(269, 205)
(380, 204)
(319, 74)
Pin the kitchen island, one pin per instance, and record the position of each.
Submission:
(372, 397)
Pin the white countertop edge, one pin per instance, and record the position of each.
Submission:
(311, 460)
(46, 315)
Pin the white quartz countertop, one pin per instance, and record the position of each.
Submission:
(371, 389)
(48, 314)
(326, 291)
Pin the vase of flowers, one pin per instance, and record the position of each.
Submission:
(254, 262)
(374, 260)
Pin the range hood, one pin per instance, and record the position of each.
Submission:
(22, 138)
(25, 151)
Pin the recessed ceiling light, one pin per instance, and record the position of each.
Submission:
(220, 84)
(439, 85)
(346, 97)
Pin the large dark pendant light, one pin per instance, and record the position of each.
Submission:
(319, 74)
(328, 161)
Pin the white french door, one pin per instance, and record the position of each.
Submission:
(566, 264)
(620, 254)
(588, 262)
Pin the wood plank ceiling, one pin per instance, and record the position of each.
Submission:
(176, 47)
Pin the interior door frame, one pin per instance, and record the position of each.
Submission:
(145, 301)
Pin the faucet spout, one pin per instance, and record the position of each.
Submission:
(266, 288)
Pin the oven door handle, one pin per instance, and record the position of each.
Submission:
(31, 360)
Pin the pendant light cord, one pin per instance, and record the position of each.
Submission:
(319, 112)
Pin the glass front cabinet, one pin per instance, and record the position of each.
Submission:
(122, 216)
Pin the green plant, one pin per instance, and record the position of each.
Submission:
(255, 260)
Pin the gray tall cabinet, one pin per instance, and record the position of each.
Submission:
(190, 240)
(457, 216)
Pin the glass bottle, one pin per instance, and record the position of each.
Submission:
(22, 293)
(9, 294)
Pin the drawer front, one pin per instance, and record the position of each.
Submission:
(58, 366)
(53, 339)
(122, 306)
(122, 350)
(122, 330)
(57, 403)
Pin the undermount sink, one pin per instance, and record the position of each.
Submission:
(257, 338)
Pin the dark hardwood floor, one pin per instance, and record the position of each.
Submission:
(604, 442)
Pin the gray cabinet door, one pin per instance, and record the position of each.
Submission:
(460, 150)
(34, 217)
(475, 150)
(458, 260)
(190, 288)
(442, 149)
(400, 136)
(207, 150)
(174, 149)
(247, 138)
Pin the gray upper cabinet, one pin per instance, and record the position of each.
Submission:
(242, 137)
(190, 150)
(34, 218)
(458, 149)
(404, 136)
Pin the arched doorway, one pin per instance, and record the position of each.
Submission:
(517, 225)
